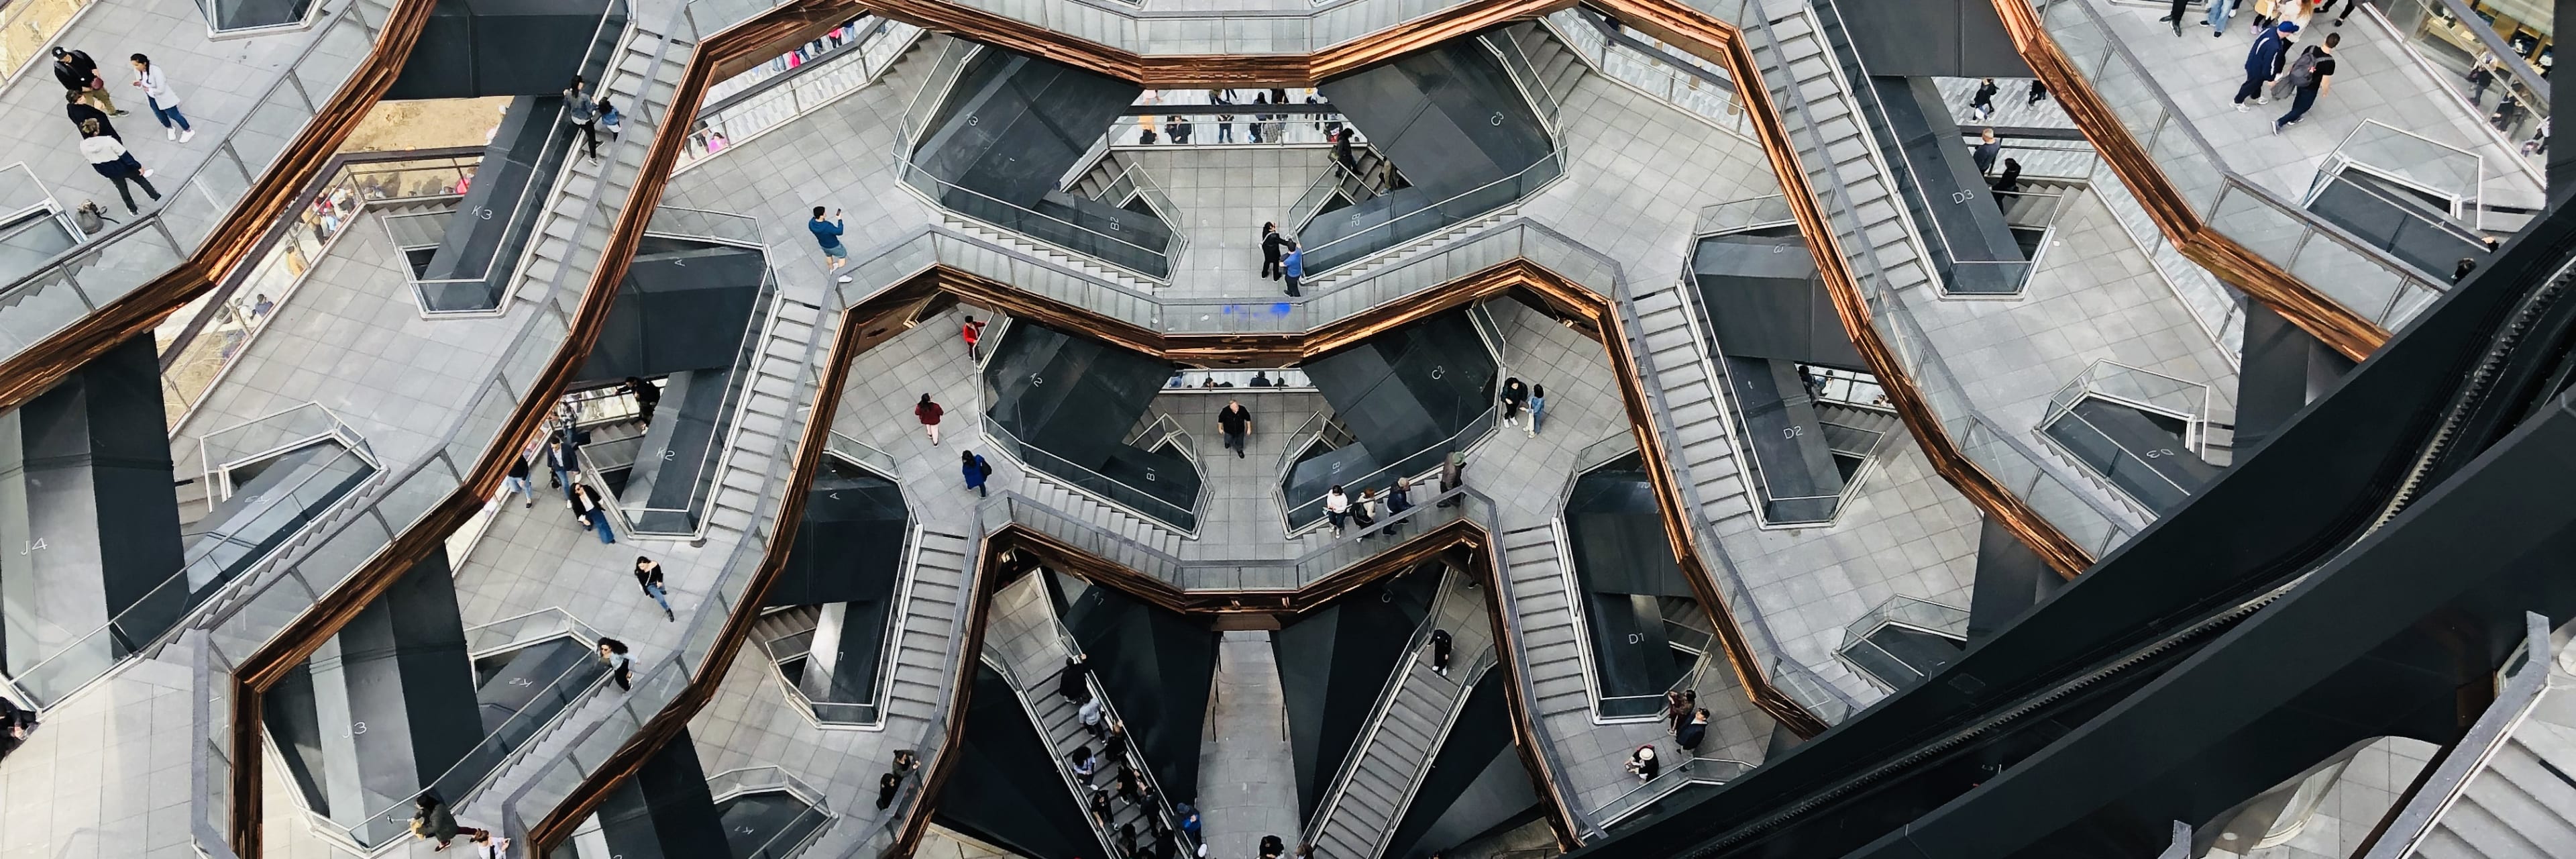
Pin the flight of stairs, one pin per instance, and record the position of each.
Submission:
(1428, 245)
(2522, 805)
(784, 370)
(1559, 67)
(2030, 210)
(1678, 368)
(1023, 633)
(1551, 645)
(785, 632)
(1090, 510)
(1854, 430)
(586, 201)
(1834, 148)
(1408, 726)
(933, 613)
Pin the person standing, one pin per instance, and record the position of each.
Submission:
(79, 76)
(1253, 128)
(1178, 126)
(1537, 407)
(2479, 78)
(1440, 651)
(1982, 105)
(648, 575)
(620, 662)
(1089, 713)
(109, 158)
(886, 786)
(1692, 733)
(1337, 507)
(1236, 422)
(2009, 182)
(977, 471)
(586, 504)
(2175, 16)
(971, 332)
(1453, 476)
(648, 397)
(1986, 151)
(2038, 91)
(1293, 266)
(1515, 396)
(2263, 62)
(163, 100)
(584, 115)
(1273, 247)
(828, 234)
(517, 481)
(85, 117)
(2219, 12)
(1074, 683)
(1675, 711)
(1364, 512)
(2311, 81)
(928, 413)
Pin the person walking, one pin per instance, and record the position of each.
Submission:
(1515, 396)
(517, 481)
(559, 461)
(1293, 266)
(1537, 407)
(2508, 111)
(163, 100)
(1074, 682)
(1675, 711)
(2314, 76)
(2175, 16)
(620, 662)
(1236, 422)
(583, 114)
(1273, 247)
(79, 76)
(2219, 12)
(1691, 734)
(1453, 476)
(648, 575)
(86, 117)
(2480, 78)
(2038, 91)
(647, 397)
(977, 471)
(1399, 498)
(1364, 512)
(610, 121)
(487, 845)
(1643, 763)
(972, 332)
(2263, 62)
(827, 232)
(2009, 182)
(928, 413)
(1337, 507)
(1986, 151)
(430, 820)
(2461, 272)
(594, 515)
(109, 158)
(1440, 651)
(1982, 104)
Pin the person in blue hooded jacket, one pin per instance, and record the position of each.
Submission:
(1294, 265)
(2263, 62)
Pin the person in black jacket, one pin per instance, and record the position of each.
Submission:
(648, 575)
(1072, 684)
(79, 76)
(1440, 651)
(82, 115)
(1273, 246)
(15, 723)
(647, 397)
(518, 481)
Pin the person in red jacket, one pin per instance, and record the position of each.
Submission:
(971, 332)
(929, 413)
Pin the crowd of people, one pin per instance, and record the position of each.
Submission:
(1687, 722)
(92, 110)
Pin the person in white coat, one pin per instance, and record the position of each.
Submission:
(163, 99)
(110, 159)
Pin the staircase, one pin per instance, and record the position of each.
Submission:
(933, 613)
(1854, 430)
(1816, 105)
(1559, 67)
(772, 421)
(2519, 807)
(1551, 641)
(573, 229)
(1411, 720)
(1676, 362)
(1023, 635)
(1090, 510)
(786, 633)
(1431, 246)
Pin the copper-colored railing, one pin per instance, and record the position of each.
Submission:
(2322, 317)
(36, 368)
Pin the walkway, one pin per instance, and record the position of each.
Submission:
(1247, 771)
(2376, 79)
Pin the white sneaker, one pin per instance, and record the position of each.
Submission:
(2241, 108)
(845, 278)
(187, 135)
(2263, 100)
(147, 172)
(169, 134)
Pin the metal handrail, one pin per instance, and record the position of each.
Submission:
(862, 48)
(1735, 425)
(1457, 442)
(1555, 158)
(906, 170)
(1475, 673)
(1011, 446)
(737, 403)
(2450, 777)
(398, 813)
(1688, 772)
(1611, 40)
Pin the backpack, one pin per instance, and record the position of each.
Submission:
(90, 218)
(2303, 71)
(982, 467)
